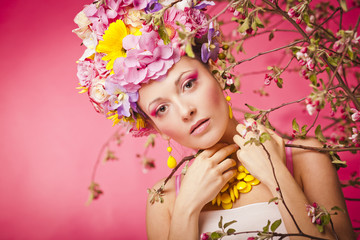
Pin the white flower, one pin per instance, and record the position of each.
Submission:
(310, 109)
(97, 90)
(83, 22)
(356, 39)
(180, 5)
(356, 115)
(90, 42)
(133, 18)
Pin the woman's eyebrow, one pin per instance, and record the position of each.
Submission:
(175, 83)
(180, 76)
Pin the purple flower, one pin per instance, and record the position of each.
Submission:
(210, 49)
(204, 4)
(153, 6)
(119, 99)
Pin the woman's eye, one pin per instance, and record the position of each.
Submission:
(189, 84)
(161, 109)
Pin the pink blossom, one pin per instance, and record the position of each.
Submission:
(356, 114)
(339, 46)
(100, 65)
(147, 59)
(310, 109)
(298, 20)
(204, 236)
(86, 72)
(310, 65)
(291, 12)
(197, 19)
(173, 15)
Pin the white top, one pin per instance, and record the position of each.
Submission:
(252, 217)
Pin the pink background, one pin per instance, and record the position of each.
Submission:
(50, 135)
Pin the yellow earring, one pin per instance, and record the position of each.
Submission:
(228, 98)
(171, 162)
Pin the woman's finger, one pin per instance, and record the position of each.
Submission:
(224, 152)
(226, 164)
(211, 151)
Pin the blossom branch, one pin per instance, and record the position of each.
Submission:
(263, 53)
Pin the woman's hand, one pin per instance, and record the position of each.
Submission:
(253, 156)
(209, 172)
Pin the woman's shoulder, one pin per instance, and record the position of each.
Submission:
(310, 163)
(162, 196)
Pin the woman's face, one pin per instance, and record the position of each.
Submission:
(188, 106)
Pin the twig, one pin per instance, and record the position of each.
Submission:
(262, 53)
(320, 149)
(280, 192)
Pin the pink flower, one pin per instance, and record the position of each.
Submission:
(197, 19)
(204, 236)
(267, 80)
(147, 59)
(291, 12)
(86, 72)
(310, 65)
(356, 114)
(251, 238)
(100, 65)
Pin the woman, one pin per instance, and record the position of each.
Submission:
(190, 108)
(136, 71)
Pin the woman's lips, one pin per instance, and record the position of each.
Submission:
(199, 127)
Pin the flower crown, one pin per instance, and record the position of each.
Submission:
(129, 43)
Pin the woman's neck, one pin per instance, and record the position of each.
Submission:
(230, 132)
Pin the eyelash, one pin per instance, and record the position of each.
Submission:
(158, 110)
(192, 80)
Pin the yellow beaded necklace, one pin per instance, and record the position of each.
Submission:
(242, 183)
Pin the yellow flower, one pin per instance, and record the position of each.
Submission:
(112, 44)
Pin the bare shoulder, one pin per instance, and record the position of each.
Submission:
(320, 183)
(158, 213)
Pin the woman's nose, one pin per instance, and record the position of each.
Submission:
(187, 111)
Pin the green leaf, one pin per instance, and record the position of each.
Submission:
(303, 129)
(230, 231)
(163, 34)
(332, 61)
(350, 53)
(279, 82)
(295, 125)
(275, 225)
(245, 26)
(229, 223)
(320, 228)
(220, 222)
(258, 22)
(325, 219)
(343, 5)
(271, 36)
(266, 228)
(264, 137)
(254, 109)
(319, 134)
(273, 199)
(215, 235)
(254, 25)
(337, 208)
(313, 79)
(189, 50)
(249, 115)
